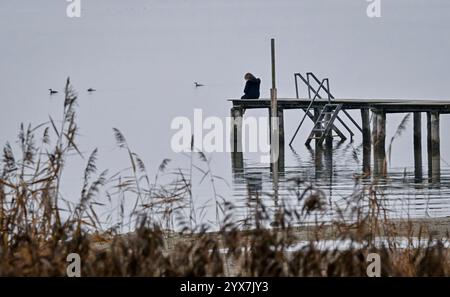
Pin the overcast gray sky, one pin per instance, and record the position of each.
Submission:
(143, 57)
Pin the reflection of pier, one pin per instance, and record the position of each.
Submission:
(323, 164)
(374, 138)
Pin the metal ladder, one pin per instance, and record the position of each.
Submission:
(314, 95)
(323, 126)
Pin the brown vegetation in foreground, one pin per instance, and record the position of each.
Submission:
(38, 229)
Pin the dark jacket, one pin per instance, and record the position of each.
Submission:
(251, 90)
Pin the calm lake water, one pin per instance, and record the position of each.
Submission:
(337, 175)
(143, 58)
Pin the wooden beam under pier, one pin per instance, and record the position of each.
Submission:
(388, 105)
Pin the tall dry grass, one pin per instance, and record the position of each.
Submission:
(39, 228)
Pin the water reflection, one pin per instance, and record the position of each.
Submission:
(338, 173)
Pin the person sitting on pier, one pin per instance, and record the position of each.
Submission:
(252, 84)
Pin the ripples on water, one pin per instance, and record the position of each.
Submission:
(337, 175)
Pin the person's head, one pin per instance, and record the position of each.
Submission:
(249, 76)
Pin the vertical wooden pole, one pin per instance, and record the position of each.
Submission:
(237, 158)
(429, 147)
(380, 166)
(329, 137)
(318, 162)
(270, 124)
(328, 158)
(436, 145)
(274, 139)
(272, 47)
(376, 169)
(236, 129)
(367, 142)
(317, 134)
(418, 172)
(237, 163)
(281, 139)
(434, 151)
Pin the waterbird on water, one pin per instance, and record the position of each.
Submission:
(198, 85)
(52, 91)
(91, 90)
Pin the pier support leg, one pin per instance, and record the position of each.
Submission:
(379, 143)
(270, 125)
(280, 144)
(367, 141)
(434, 154)
(237, 162)
(418, 172)
(236, 130)
(281, 139)
(237, 158)
(328, 158)
(317, 134)
(329, 137)
(318, 163)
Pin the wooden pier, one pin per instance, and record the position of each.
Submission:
(374, 138)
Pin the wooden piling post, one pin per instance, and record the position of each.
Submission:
(329, 168)
(329, 136)
(434, 154)
(316, 117)
(418, 172)
(236, 130)
(379, 142)
(430, 167)
(281, 139)
(237, 163)
(318, 161)
(367, 141)
(274, 120)
(270, 124)
(275, 128)
(436, 146)
(374, 128)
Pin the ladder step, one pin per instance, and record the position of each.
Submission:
(319, 137)
(323, 125)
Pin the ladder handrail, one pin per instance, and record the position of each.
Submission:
(296, 85)
(352, 120)
(306, 83)
(345, 126)
(316, 95)
(308, 74)
(317, 80)
(332, 97)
